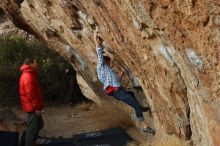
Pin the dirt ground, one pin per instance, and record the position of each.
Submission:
(87, 118)
(65, 121)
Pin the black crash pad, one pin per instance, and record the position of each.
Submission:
(9, 138)
(110, 137)
(57, 142)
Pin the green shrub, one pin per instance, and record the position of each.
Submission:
(52, 77)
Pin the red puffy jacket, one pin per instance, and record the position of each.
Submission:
(29, 87)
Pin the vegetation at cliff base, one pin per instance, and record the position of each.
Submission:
(13, 51)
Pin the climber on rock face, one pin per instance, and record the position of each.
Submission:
(112, 85)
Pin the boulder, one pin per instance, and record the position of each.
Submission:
(169, 51)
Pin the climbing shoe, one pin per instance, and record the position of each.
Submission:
(145, 109)
(149, 130)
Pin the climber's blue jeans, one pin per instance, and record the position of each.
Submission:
(124, 96)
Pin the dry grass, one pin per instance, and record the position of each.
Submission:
(108, 115)
(84, 106)
(172, 141)
(164, 141)
(87, 117)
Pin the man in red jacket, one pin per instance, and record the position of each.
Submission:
(31, 99)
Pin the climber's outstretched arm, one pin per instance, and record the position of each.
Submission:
(99, 49)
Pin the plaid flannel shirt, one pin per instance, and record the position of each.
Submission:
(105, 74)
